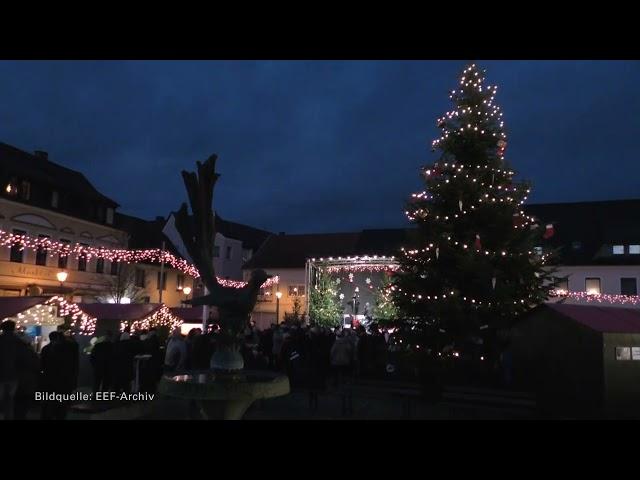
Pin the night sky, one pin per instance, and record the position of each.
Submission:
(315, 146)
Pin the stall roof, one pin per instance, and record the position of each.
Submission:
(189, 315)
(601, 319)
(11, 306)
(119, 311)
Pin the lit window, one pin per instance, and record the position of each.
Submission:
(11, 189)
(296, 290)
(180, 282)
(618, 249)
(634, 249)
(592, 286)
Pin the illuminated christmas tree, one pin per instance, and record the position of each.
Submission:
(384, 309)
(475, 268)
(324, 304)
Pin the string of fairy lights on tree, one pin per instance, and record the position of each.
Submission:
(26, 242)
(463, 188)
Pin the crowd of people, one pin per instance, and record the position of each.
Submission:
(314, 357)
(23, 372)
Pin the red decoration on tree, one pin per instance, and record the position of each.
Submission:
(502, 146)
(478, 243)
(549, 231)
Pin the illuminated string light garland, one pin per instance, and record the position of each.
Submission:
(113, 255)
(597, 297)
(162, 317)
(43, 314)
(362, 268)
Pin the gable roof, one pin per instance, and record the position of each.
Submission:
(11, 306)
(251, 238)
(144, 234)
(601, 319)
(16, 162)
(584, 232)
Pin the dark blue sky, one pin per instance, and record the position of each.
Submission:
(315, 146)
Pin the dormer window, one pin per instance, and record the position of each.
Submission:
(618, 249)
(11, 188)
(634, 249)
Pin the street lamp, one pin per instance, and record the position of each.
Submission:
(278, 296)
(62, 277)
(186, 291)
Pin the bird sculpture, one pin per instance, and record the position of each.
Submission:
(198, 233)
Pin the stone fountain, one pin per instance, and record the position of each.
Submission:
(227, 390)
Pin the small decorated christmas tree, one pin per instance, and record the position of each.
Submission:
(324, 303)
(384, 309)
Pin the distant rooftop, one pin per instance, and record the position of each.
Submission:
(38, 167)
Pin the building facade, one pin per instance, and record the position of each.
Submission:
(596, 245)
(42, 199)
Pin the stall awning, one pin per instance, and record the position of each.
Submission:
(12, 306)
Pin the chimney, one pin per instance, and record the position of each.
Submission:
(42, 155)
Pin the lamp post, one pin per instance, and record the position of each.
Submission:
(186, 291)
(278, 296)
(62, 277)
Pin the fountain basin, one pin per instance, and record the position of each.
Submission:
(222, 395)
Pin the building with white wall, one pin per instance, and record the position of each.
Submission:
(597, 244)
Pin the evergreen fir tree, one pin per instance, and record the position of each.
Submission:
(474, 269)
(324, 304)
(384, 308)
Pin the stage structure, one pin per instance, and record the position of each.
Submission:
(358, 278)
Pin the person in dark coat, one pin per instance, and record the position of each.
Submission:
(72, 352)
(101, 357)
(13, 361)
(122, 364)
(28, 378)
(151, 369)
(57, 375)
